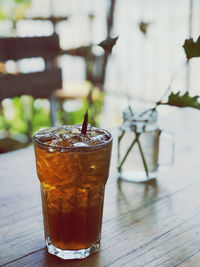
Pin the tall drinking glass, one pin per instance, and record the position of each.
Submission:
(73, 169)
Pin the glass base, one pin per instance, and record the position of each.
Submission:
(137, 177)
(72, 254)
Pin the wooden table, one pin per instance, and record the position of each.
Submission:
(153, 224)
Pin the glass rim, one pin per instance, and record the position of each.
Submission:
(142, 117)
(40, 144)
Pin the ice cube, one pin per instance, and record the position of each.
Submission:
(44, 137)
(65, 136)
(89, 127)
(56, 142)
(59, 131)
(94, 131)
(71, 138)
(97, 139)
(80, 144)
(68, 128)
(75, 130)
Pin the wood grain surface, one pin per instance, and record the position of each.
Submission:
(152, 224)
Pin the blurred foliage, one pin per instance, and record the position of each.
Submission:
(13, 9)
(21, 116)
(93, 103)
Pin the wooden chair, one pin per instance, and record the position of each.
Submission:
(38, 84)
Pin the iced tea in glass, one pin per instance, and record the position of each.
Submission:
(73, 169)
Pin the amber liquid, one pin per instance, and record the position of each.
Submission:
(72, 186)
(76, 229)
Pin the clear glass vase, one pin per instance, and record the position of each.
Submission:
(139, 144)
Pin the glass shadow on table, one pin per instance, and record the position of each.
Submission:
(132, 197)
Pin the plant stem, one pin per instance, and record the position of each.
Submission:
(164, 94)
(130, 109)
(141, 152)
(142, 155)
(126, 155)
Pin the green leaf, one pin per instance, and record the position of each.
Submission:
(192, 49)
(22, 1)
(183, 100)
(108, 44)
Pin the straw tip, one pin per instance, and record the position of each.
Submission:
(85, 122)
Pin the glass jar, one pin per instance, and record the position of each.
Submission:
(138, 145)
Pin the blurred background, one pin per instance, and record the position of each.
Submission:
(147, 58)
